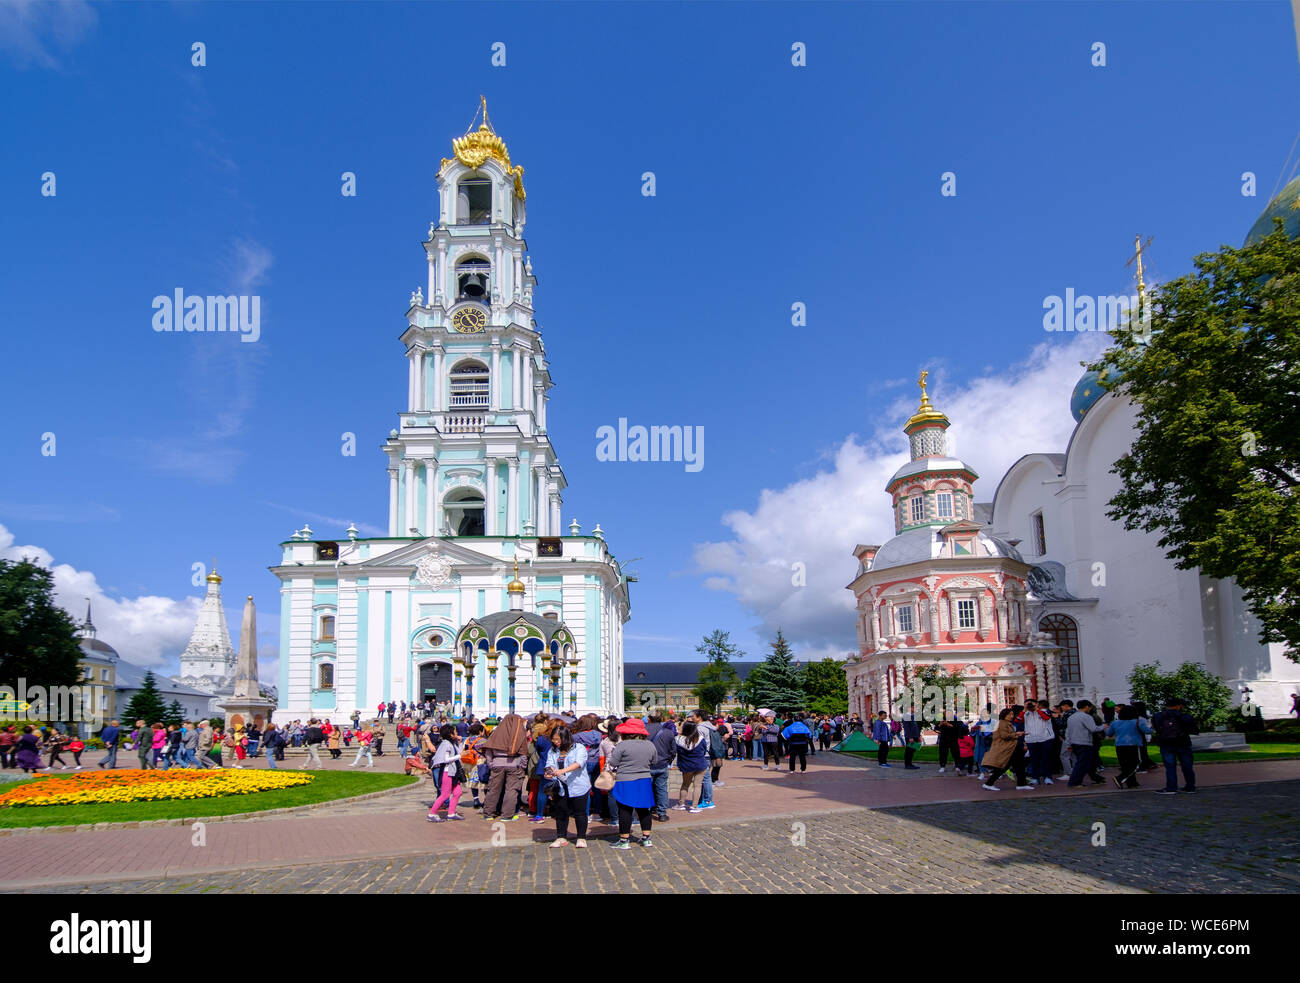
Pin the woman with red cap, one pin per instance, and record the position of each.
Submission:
(631, 761)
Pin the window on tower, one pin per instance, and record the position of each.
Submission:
(326, 628)
(474, 201)
(470, 386)
(1040, 534)
(464, 511)
(325, 679)
(944, 501)
(473, 279)
(918, 508)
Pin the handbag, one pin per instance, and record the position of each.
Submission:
(604, 781)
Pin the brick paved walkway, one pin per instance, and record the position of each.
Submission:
(752, 808)
(1225, 840)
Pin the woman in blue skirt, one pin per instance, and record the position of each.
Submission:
(633, 787)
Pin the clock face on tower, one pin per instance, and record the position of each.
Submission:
(469, 320)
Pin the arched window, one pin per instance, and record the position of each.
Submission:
(464, 511)
(327, 628)
(470, 386)
(474, 200)
(325, 676)
(473, 279)
(1064, 631)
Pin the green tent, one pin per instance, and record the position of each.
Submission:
(857, 741)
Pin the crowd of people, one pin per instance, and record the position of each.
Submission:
(1041, 744)
(633, 771)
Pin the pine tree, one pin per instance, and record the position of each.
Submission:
(175, 713)
(774, 682)
(146, 704)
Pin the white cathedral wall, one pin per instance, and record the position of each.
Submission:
(1147, 610)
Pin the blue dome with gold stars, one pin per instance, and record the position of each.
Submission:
(1285, 206)
(1089, 389)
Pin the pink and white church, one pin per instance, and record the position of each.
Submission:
(1038, 593)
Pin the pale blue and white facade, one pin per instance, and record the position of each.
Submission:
(474, 487)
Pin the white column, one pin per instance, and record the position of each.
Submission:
(444, 287)
(539, 392)
(433, 279)
(490, 506)
(392, 501)
(410, 498)
(512, 498)
(528, 371)
(495, 399)
(517, 380)
(410, 380)
(543, 518)
(419, 379)
(438, 401)
(555, 507)
(431, 496)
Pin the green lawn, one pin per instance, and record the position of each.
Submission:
(1260, 752)
(326, 785)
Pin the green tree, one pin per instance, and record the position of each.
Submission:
(630, 702)
(174, 714)
(921, 692)
(774, 682)
(1207, 698)
(37, 637)
(717, 678)
(825, 686)
(1215, 467)
(146, 704)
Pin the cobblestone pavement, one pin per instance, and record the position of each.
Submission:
(1240, 839)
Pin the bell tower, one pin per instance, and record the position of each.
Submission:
(471, 456)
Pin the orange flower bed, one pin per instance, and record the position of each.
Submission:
(136, 785)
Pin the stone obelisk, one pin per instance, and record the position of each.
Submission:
(247, 702)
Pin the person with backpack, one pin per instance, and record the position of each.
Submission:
(692, 762)
(663, 734)
(911, 740)
(1129, 730)
(1174, 728)
(1005, 752)
(364, 740)
(448, 773)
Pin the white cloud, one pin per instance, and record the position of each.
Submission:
(147, 630)
(34, 33)
(816, 521)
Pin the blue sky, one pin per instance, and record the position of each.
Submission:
(775, 184)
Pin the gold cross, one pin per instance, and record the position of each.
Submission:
(1139, 247)
(925, 373)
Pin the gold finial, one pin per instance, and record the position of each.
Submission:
(515, 586)
(214, 577)
(925, 413)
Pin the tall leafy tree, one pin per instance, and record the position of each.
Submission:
(1215, 468)
(146, 704)
(37, 637)
(777, 684)
(825, 686)
(717, 678)
(1207, 698)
